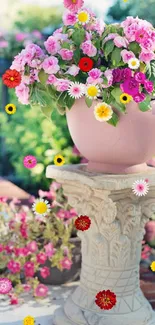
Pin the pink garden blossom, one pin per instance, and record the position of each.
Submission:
(49, 250)
(140, 35)
(29, 269)
(20, 37)
(140, 97)
(69, 18)
(5, 286)
(32, 246)
(66, 263)
(66, 54)
(130, 86)
(55, 186)
(36, 33)
(109, 75)
(62, 214)
(26, 287)
(50, 65)
(45, 272)
(29, 161)
(52, 45)
(3, 199)
(51, 79)
(127, 55)
(3, 44)
(95, 76)
(149, 86)
(148, 44)
(98, 26)
(14, 300)
(140, 77)
(24, 230)
(9, 248)
(21, 251)
(73, 70)
(146, 56)
(120, 41)
(150, 231)
(73, 5)
(41, 291)
(88, 48)
(62, 84)
(109, 37)
(13, 266)
(41, 258)
(22, 92)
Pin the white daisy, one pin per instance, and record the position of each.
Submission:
(140, 188)
(133, 63)
(76, 90)
(41, 207)
(92, 91)
(83, 17)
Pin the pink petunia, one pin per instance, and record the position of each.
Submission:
(140, 97)
(51, 79)
(45, 272)
(66, 54)
(41, 258)
(50, 65)
(26, 287)
(49, 250)
(98, 26)
(29, 270)
(5, 286)
(62, 84)
(32, 246)
(52, 45)
(95, 76)
(127, 55)
(73, 70)
(41, 291)
(120, 41)
(146, 56)
(29, 161)
(66, 263)
(149, 86)
(73, 5)
(13, 266)
(69, 18)
(109, 75)
(88, 48)
(130, 86)
(22, 92)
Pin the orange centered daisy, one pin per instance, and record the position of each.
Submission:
(82, 223)
(106, 299)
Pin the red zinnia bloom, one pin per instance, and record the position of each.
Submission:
(11, 78)
(82, 223)
(86, 64)
(106, 299)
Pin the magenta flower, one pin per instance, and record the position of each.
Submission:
(126, 74)
(29, 161)
(140, 97)
(41, 258)
(45, 272)
(29, 269)
(117, 75)
(140, 35)
(24, 230)
(3, 199)
(5, 286)
(62, 214)
(66, 54)
(140, 77)
(149, 86)
(26, 287)
(130, 86)
(14, 267)
(41, 291)
(49, 250)
(14, 300)
(73, 5)
(32, 246)
(20, 37)
(66, 263)
(52, 45)
(98, 26)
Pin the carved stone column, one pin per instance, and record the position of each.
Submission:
(111, 248)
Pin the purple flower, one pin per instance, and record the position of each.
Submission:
(117, 75)
(149, 86)
(140, 77)
(126, 74)
(139, 97)
(130, 86)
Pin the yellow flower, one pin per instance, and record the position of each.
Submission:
(41, 207)
(10, 109)
(59, 160)
(103, 112)
(92, 91)
(83, 17)
(125, 98)
(29, 320)
(153, 266)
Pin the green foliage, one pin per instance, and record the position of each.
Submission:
(145, 105)
(116, 93)
(78, 36)
(150, 70)
(114, 120)
(134, 47)
(116, 56)
(108, 48)
(88, 101)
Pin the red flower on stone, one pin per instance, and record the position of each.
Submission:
(11, 78)
(86, 64)
(106, 299)
(82, 223)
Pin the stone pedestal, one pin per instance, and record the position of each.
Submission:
(111, 248)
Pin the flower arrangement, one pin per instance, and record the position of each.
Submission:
(12, 43)
(113, 64)
(29, 239)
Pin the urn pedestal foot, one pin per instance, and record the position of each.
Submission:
(111, 247)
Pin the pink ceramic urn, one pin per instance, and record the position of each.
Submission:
(121, 149)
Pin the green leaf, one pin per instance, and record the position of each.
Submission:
(65, 45)
(97, 44)
(47, 111)
(61, 110)
(116, 93)
(61, 99)
(78, 36)
(108, 47)
(88, 101)
(150, 70)
(77, 56)
(114, 120)
(145, 105)
(69, 101)
(134, 47)
(116, 56)
(43, 76)
(120, 107)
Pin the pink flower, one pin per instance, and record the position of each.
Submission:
(62, 84)
(51, 79)
(18, 63)
(146, 252)
(69, 19)
(14, 267)
(130, 86)
(95, 76)
(52, 45)
(149, 86)
(120, 41)
(3, 199)
(73, 5)
(45, 272)
(73, 70)
(66, 54)
(41, 258)
(3, 44)
(130, 32)
(26, 287)
(22, 92)
(140, 35)
(41, 291)
(32, 246)
(23, 230)
(29, 269)
(66, 263)
(109, 37)
(88, 48)
(62, 214)
(34, 50)
(9, 248)
(109, 75)
(5, 286)
(55, 186)
(140, 97)
(20, 37)
(98, 26)
(73, 213)
(148, 44)
(50, 65)
(29, 161)
(14, 300)
(146, 56)
(49, 250)
(127, 55)
(150, 231)
(23, 251)
(140, 77)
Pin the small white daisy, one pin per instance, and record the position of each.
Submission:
(134, 63)
(92, 91)
(41, 207)
(76, 90)
(140, 188)
(83, 17)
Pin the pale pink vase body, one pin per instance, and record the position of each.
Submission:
(121, 149)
